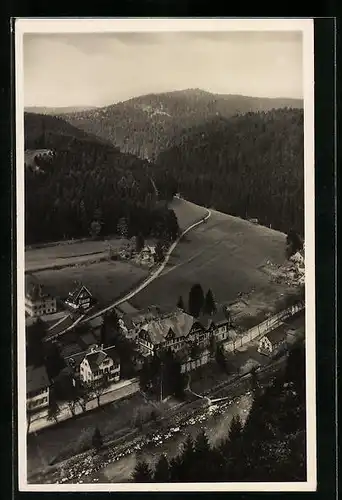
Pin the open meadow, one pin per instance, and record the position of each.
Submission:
(228, 255)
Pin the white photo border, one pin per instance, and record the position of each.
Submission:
(87, 25)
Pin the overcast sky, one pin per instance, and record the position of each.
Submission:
(101, 69)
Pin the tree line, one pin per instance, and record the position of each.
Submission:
(269, 446)
(87, 188)
(251, 166)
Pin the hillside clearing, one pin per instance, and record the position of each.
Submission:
(228, 255)
(187, 213)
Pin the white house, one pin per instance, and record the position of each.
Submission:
(98, 364)
(37, 301)
(79, 298)
(37, 388)
(273, 342)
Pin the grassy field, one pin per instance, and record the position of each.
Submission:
(68, 253)
(106, 280)
(228, 255)
(186, 212)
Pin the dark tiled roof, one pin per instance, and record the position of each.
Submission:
(205, 321)
(127, 308)
(59, 327)
(220, 316)
(36, 378)
(75, 293)
(33, 289)
(112, 353)
(95, 359)
(87, 339)
(96, 322)
(277, 335)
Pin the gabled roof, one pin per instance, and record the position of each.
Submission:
(34, 290)
(127, 308)
(220, 317)
(61, 325)
(277, 335)
(205, 321)
(36, 378)
(76, 292)
(180, 323)
(95, 359)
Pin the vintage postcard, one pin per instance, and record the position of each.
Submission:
(166, 280)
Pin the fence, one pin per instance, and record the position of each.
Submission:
(263, 328)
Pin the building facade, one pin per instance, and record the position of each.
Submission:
(99, 364)
(37, 301)
(79, 299)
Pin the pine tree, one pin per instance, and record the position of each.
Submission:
(209, 303)
(186, 469)
(54, 409)
(162, 470)
(139, 243)
(142, 473)
(196, 300)
(180, 303)
(159, 251)
(97, 439)
(220, 357)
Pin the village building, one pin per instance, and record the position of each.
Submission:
(148, 254)
(99, 364)
(37, 388)
(80, 298)
(37, 301)
(221, 324)
(273, 342)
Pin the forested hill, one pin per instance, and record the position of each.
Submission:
(147, 125)
(86, 187)
(42, 130)
(251, 166)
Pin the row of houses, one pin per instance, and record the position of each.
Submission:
(39, 302)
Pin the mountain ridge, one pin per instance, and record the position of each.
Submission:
(146, 125)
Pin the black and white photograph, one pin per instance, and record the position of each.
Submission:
(165, 254)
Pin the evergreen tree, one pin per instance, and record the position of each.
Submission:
(180, 303)
(186, 469)
(142, 473)
(159, 251)
(293, 243)
(54, 409)
(95, 229)
(196, 300)
(122, 227)
(54, 361)
(97, 440)
(220, 357)
(209, 303)
(162, 470)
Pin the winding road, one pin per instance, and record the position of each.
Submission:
(85, 318)
(155, 273)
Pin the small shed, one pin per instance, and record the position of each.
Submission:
(273, 342)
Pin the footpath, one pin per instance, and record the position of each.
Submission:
(113, 393)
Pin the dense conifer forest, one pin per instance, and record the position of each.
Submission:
(251, 166)
(148, 124)
(86, 182)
